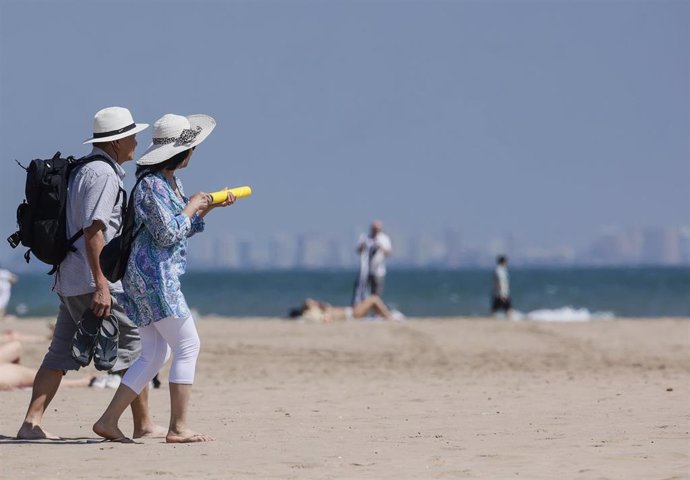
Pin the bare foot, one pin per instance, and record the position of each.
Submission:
(110, 432)
(187, 436)
(154, 431)
(34, 432)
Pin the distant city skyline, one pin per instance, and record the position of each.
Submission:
(613, 246)
(546, 121)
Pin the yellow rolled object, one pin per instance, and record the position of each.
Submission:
(222, 195)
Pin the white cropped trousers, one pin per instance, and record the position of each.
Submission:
(158, 340)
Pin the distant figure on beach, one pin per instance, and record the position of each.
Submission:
(94, 210)
(152, 290)
(317, 311)
(373, 249)
(501, 288)
(7, 279)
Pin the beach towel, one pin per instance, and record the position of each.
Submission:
(362, 288)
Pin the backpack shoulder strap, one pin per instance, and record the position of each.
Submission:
(92, 158)
(80, 163)
(131, 197)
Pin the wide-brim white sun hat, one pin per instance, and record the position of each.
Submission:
(114, 123)
(173, 134)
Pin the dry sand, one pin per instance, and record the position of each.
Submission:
(423, 398)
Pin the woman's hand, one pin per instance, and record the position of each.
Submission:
(198, 202)
(227, 202)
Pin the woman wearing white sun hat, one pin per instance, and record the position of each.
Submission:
(164, 219)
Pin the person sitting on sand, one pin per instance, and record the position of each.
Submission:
(317, 311)
(13, 375)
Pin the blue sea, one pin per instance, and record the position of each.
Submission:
(555, 293)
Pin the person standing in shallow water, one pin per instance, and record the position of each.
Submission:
(373, 251)
(501, 292)
(151, 283)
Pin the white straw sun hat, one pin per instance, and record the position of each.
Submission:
(173, 134)
(113, 123)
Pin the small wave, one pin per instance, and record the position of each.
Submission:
(563, 314)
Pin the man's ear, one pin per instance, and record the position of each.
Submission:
(116, 145)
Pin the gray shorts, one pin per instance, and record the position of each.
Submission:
(59, 356)
(376, 285)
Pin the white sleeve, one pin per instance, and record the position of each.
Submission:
(384, 242)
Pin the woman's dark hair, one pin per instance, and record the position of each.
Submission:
(170, 164)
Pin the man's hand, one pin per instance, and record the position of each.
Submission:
(94, 241)
(101, 301)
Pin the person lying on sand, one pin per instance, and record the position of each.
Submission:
(12, 335)
(317, 311)
(13, 375)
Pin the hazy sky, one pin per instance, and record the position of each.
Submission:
(549, 120)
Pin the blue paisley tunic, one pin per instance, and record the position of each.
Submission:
(159, 254)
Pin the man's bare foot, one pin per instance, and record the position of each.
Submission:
(110, 432)
(154, 431)
(187, 436)
(34, 432)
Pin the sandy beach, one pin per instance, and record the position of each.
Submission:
(424, 398)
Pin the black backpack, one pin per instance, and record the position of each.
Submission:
(41, 217)
(115, 254)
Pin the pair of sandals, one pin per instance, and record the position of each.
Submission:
(96, 338)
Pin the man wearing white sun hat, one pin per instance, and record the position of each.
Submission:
(94, 209)
(153, 298)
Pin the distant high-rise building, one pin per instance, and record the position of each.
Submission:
(605, 249)
(684, 245)
(453, 249)
(281, 251)
(300, 252)
(225, 253)
(244, 251)
(661, 246)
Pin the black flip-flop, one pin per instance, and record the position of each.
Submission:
(105, 354)
(84, 340)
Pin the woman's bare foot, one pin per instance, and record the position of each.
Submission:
(154, 431)
(34, 432)
(110, 432)
(187, 436)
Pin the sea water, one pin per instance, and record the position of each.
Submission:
(565, 294)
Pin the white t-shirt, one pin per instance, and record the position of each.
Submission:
(377, 249)
(501, 282)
